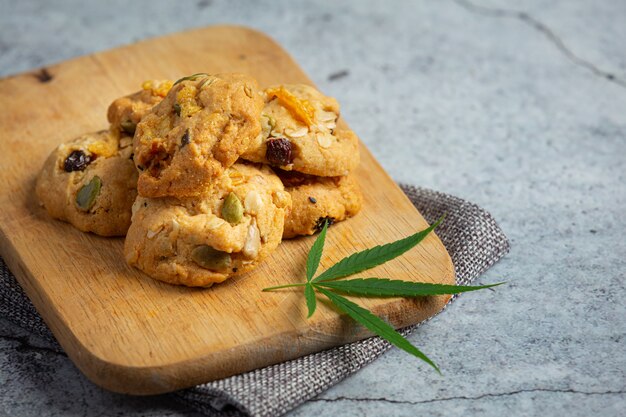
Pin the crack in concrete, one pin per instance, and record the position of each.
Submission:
(24, 346)
(462, 397)
(547, 32)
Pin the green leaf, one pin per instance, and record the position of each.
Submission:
(311, 303)
(375, 325)
(315, 254)
(384, 287)
(375, 256)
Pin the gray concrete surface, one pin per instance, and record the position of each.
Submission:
(520, 108)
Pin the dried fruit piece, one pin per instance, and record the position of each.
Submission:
(186, 99)
(86, 196)
(105, 148)
(210, 258)
(129, 127)
(232, 209)
(279, 152)
(76, 161)
(300, 109)
(157, 87)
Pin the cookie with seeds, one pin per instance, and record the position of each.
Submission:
(300, 133)
(198, 241)
(90, 182)
(199, 130)
(318, 199)
(125, 112)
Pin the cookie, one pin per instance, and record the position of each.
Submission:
(318, 199)
(125, 112)
(199, 241)
(201, 127)
(299, 133)
(91, 182)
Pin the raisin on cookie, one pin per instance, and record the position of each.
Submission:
(199, 241)
(90, 182)
(316, 200)
(200, 129)
(299, 133)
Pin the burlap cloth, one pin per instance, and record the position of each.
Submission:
(471, 236)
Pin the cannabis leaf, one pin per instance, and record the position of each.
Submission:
(375, 256)
(315, 254)
(385, 287)
(375, 325)
(311, 302)
(326, 283)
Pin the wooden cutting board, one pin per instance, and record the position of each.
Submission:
(131, 334)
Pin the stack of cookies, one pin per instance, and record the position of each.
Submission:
(207, 175)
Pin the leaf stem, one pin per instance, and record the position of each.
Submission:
(284, 286)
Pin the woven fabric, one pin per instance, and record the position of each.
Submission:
(469, 233)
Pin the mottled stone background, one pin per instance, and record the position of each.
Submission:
(517, 106)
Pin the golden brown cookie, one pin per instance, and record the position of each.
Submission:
(299, 133)
(125, 112)
(201, 127)
(91, 183)
(318, 199)
(202, 240)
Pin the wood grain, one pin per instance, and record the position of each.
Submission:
(131, 334)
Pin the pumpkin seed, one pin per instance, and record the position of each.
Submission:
(232, 209)
(129, 127)
(86, 196)
(210, 258)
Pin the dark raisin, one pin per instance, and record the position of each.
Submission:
(177, 109)
(313, 200)
(279, 152)
(132, 155)
(76, 161)
(319, 224)
(185, 139)
(234, 270)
